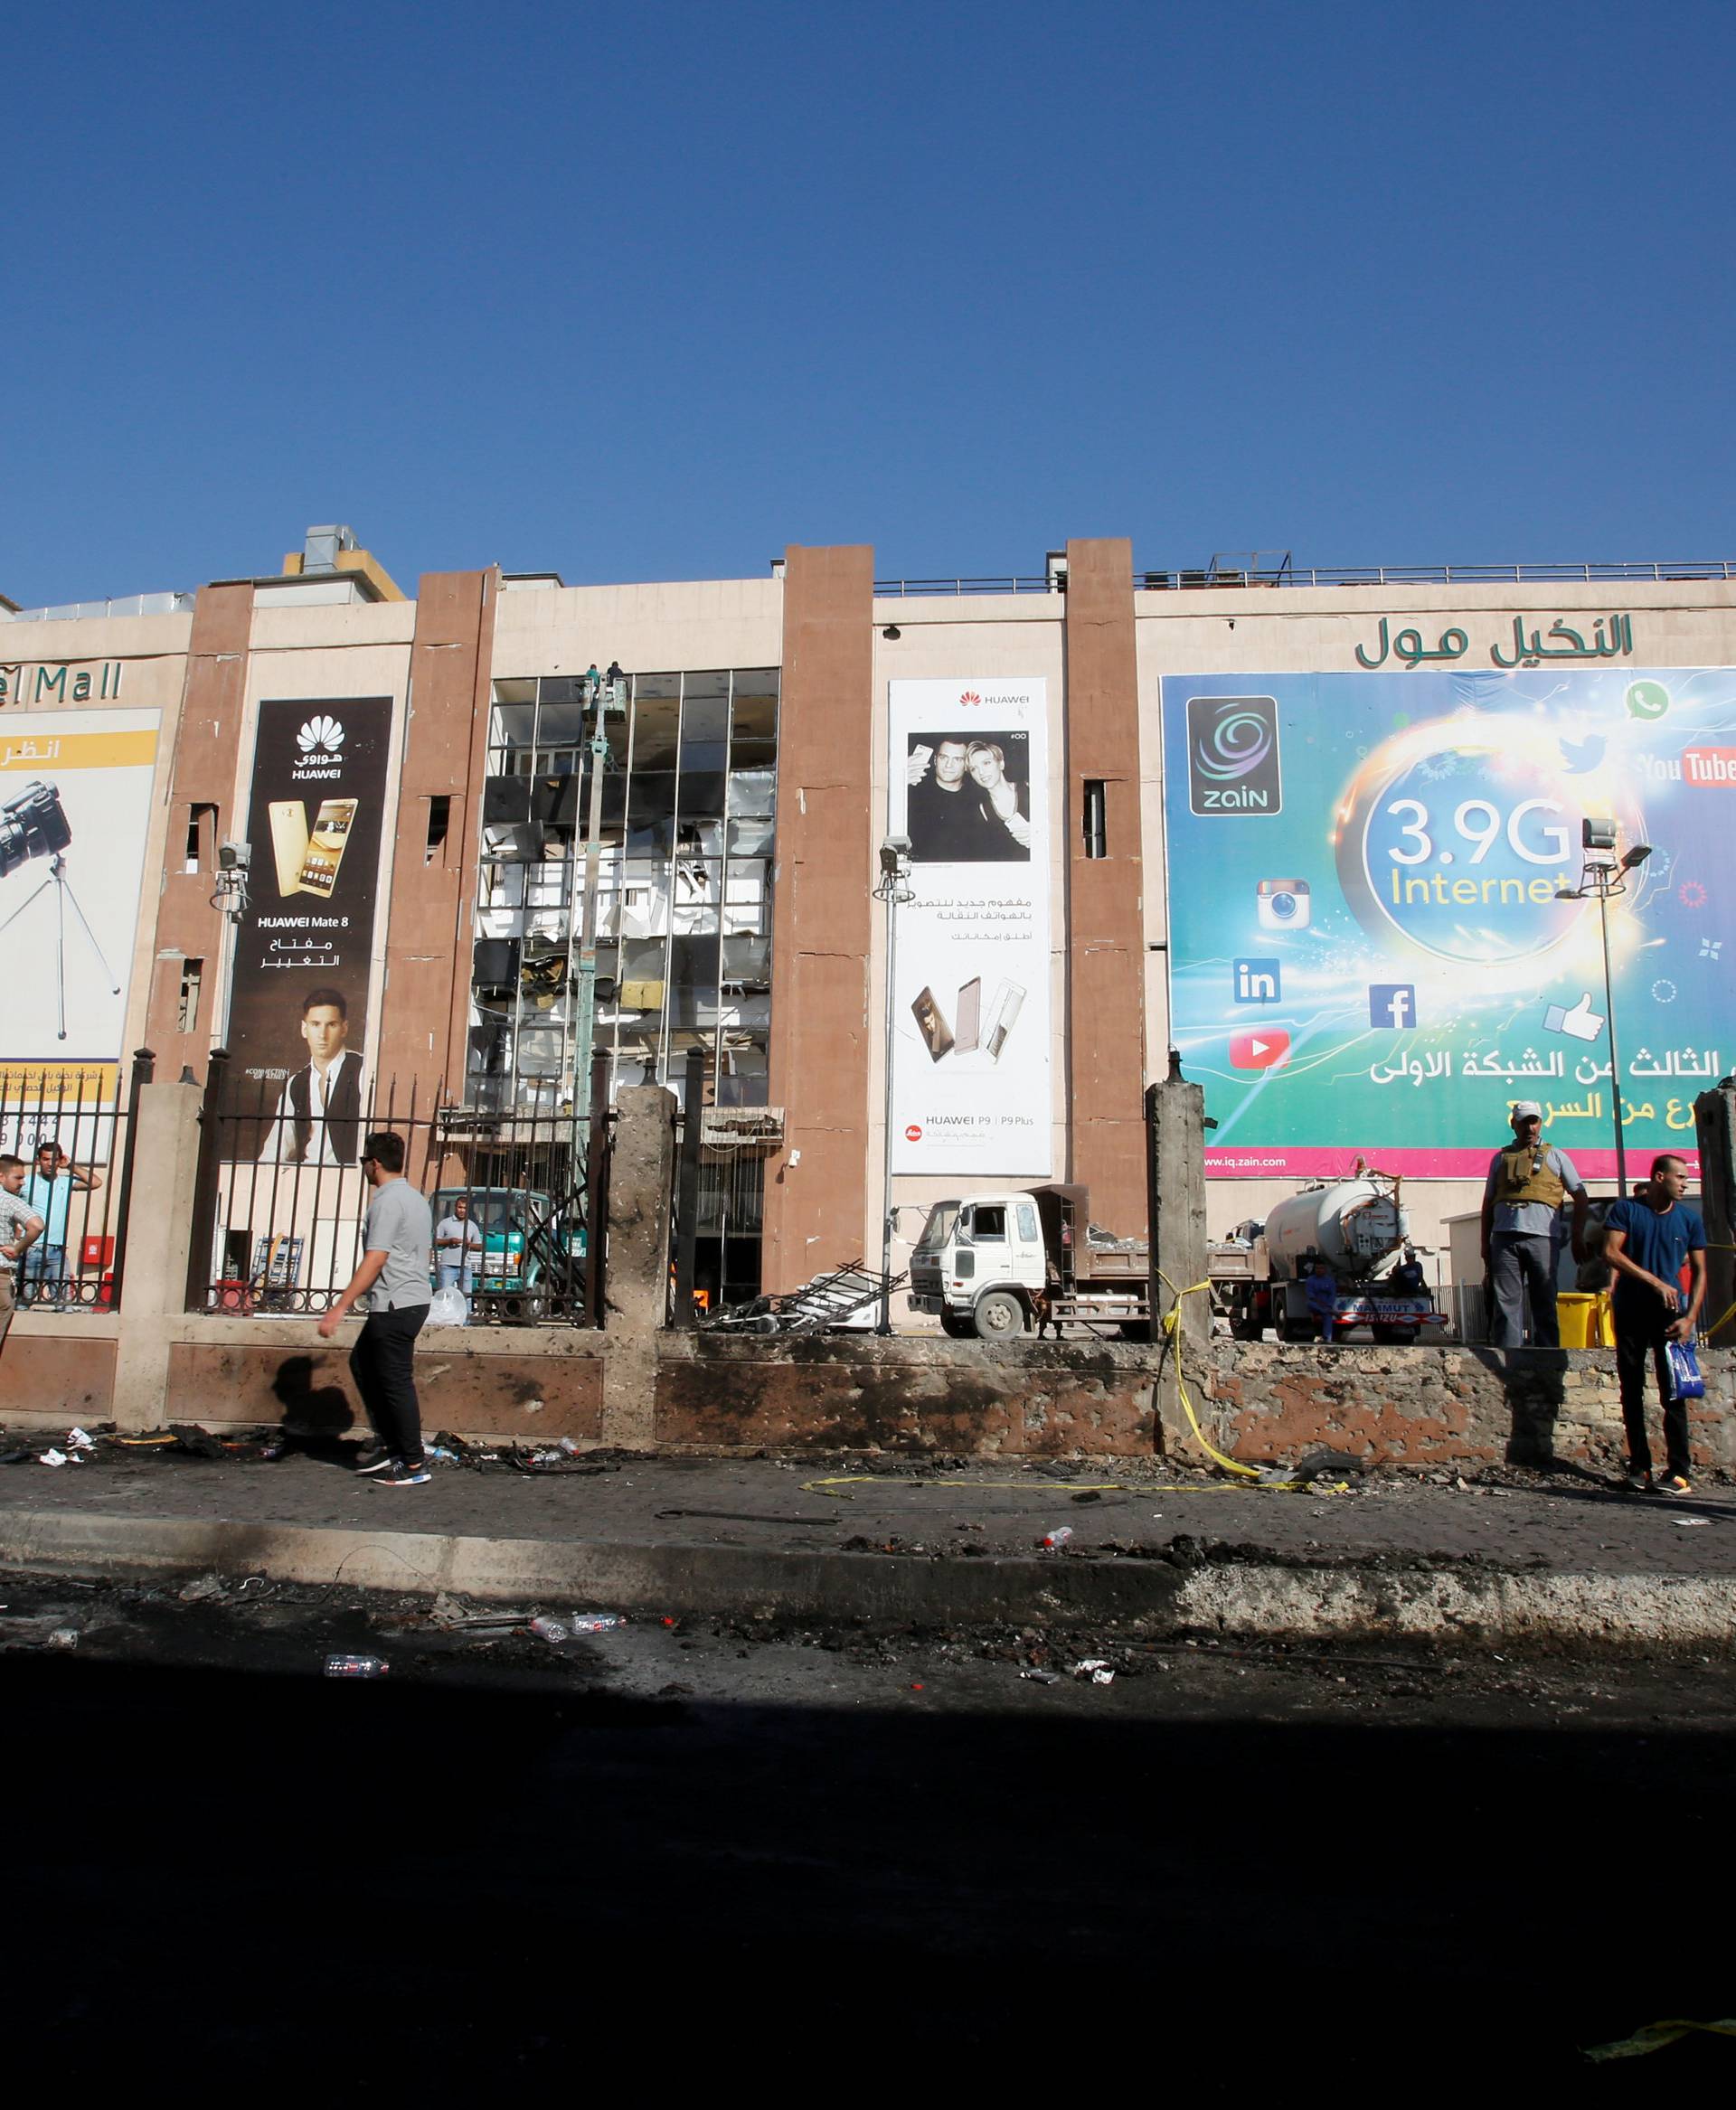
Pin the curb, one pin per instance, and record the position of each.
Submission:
(1248, 1599)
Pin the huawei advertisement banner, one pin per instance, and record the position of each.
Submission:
(968, 771)
(75, 812)
(299, 998)
(1368, 955)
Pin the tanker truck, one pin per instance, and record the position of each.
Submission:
(996, 1263)
(1360, 1229)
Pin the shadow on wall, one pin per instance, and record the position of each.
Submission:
(315, 1417)
(1534, 1382)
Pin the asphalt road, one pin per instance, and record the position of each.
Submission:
(815, 1861)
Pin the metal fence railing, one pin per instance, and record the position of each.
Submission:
(74, 1130)
(1185, 578)
(281, 1203)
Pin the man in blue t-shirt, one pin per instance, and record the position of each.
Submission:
(1647, 1242)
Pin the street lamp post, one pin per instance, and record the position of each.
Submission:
(894, 889)
(1603, 876)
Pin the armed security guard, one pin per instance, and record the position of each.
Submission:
(1522, 1226)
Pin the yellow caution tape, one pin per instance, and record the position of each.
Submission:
(1654, 2036)
(1172, 1328)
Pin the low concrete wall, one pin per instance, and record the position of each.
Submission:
(904, 1395)
(534, 1382)
(1424, 1406)
(58, 1367)
(704, 1393)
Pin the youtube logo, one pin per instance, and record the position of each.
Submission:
(1709, 767)
(1266, 1050)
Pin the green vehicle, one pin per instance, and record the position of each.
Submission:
(530, 1264)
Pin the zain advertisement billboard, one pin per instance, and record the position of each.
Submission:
(1369, 952)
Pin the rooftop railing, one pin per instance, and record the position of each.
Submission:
(1206, 577)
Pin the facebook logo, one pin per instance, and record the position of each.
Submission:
(1392, 1003)
(1257, 981)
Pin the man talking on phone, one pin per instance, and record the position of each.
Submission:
(1522, 1196)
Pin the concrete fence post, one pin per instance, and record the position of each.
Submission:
(165, 1146)
(641, 1178)
(1176, 1202)
(1714, 1121)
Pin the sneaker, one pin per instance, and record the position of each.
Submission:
(377, 1460)
(1635, 1484)
(1674, 1484)
(406, 1475)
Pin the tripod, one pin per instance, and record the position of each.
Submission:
(57, 880)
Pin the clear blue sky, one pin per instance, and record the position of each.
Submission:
(648, 291)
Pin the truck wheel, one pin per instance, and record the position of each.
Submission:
(1395, 1336)
(1134, 1330)
(958, 1327)
(998, 1315)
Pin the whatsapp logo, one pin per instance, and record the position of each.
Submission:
(1647, 699)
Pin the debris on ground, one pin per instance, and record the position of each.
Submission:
(355, 1666)
(53, 1457)
(205, 1590)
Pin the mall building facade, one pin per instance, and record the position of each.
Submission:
(774, 732)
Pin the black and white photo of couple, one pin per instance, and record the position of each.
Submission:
(969, 799)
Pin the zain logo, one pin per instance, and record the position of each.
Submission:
(320, 737)
(1233, 755)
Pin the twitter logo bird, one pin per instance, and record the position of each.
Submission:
(1581, 756)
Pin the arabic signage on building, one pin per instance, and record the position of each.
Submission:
(1595, 638)
(970, 995)
(75, 811)
(299, 999)
(1368, 953)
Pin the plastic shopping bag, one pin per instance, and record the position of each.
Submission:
(448, 1307)
(1685, 1381)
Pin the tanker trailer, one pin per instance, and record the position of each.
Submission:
(1360, 1229)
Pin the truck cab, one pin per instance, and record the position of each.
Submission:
(979, 1263)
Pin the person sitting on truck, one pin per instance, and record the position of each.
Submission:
(1320, 1286)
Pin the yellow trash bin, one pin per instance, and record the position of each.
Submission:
(1579, 1318)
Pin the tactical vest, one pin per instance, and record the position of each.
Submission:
(1515, 1182)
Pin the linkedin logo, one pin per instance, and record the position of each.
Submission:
(1257, 981)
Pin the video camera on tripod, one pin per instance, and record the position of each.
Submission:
(35, 824)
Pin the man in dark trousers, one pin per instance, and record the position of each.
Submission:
(397, 1242)
(1647, 1242)
(1522, 1196)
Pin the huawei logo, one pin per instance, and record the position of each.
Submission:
(970, 696)
(320, 736)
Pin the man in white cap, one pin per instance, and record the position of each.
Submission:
(1522, 1221)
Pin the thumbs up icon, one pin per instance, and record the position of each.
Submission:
(1580, 1023)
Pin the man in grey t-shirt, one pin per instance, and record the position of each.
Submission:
(19, 1226)
(396, 1240)
(1523, 1197)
